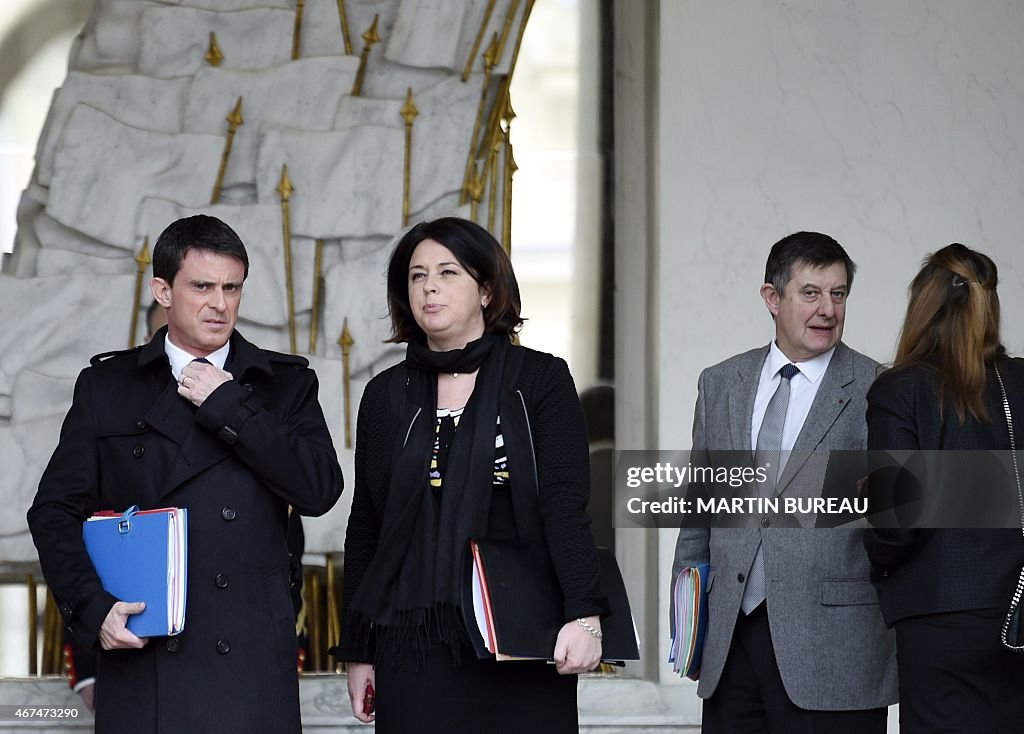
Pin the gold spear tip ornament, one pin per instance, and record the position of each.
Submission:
(142, 260)
(345, 341)
(235, 118)
(371, 36)
(509, 114)
(476, 188)
(491, 54)
(409, 111)
(284, 186)
(213, 55)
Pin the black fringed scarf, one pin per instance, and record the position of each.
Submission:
(414, 579)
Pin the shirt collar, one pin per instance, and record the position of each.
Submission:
(178, 357)
(812, 369)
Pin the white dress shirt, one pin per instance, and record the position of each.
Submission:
(803, 387)
(178, 357)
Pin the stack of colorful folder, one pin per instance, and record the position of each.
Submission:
(690, 620)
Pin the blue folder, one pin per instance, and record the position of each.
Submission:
(142, 556)
(690, 621)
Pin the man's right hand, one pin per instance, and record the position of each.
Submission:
(359, 676)
(114, 634)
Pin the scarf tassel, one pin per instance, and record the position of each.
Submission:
(413, 629)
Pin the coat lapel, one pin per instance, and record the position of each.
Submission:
(829, 402)
(198, 449)
(170, 415)
(741, 399)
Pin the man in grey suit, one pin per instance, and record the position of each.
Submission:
(795, 640)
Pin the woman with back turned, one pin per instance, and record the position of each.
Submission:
(947, 591)
(469, 437)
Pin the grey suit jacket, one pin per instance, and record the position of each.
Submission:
(833, 649)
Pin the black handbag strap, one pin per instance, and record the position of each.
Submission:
(1019, 591)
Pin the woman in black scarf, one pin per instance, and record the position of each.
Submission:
(469, 437)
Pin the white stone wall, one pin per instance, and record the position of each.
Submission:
(895, 127)
(134, 139)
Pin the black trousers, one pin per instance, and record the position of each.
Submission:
(955, 676)
(751, 699)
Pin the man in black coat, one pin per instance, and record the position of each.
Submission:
(235, 439)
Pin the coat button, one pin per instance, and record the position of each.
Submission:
(138, 451)
(141, 425)
(223, 647)
(739, 577)
(247, 386)
(221, 581)
(228, 513)
(765, 521)
(173, 644)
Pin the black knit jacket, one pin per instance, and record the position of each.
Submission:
(929, 571)
(563, 477)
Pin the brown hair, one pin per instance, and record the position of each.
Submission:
(482, 257)
(952, 326)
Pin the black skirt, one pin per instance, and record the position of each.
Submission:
(474, 696)
(955, 675)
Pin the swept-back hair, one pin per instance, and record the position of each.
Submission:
(482, 257)
(952, 326)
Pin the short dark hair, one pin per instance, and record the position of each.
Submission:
(805, 248)
(198, 232)
(482, 257)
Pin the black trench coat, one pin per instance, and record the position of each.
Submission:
(256, 445)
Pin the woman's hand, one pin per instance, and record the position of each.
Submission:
(577, 651)
(360, 675)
